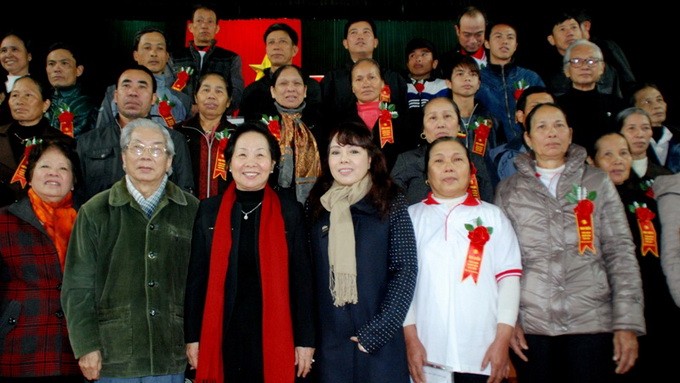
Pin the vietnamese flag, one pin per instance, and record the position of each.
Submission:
(245, 37)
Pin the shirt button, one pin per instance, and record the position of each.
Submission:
(151, 284)
(152, 226)
(152, 255)
(153, 312)
(59, 314)
(12, 320)
(59, 286)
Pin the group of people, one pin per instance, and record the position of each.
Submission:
(455, 223)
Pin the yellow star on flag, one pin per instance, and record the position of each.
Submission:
(259, 68)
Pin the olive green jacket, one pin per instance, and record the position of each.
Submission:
(124, 279)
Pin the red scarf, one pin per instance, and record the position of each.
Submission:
(57, 218)
(369, 113)
(277, 328)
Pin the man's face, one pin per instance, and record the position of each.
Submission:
(134, 94)
(531, 102)
(280, 48)
(651, 100)
(152, 52)
(470, 32)
(464, 81)
(360, 40)
(61, 68)
(563, 34)
(204, 27)
(421, 63)
(583, 74)
(502, 42)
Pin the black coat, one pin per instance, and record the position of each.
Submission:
(301, 292)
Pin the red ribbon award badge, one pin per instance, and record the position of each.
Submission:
(520, 86)
(387, 113)
(584, 216)
(220, 169)
(20, 174)
(273, 125)
(479, 235)
(646, 186)
(473, 188)
(482, 129)
(165, 110)
(182, 78)
(65, 120)
(647, 231)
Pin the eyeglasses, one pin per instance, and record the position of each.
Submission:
(139, 149)
(577, 62)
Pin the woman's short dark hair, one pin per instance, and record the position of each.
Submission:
(596, 144)
(528, 124)
(272, 142)
(257, 127)
(65, 146)
(277, 72)
(383, 189)
(445, 139)
(227, 82)
(45, 92)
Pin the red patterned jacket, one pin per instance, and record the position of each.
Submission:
(33, 336)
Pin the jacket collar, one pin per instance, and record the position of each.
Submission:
(24, 211)
(575, 159)
(498, 68)
(120, 196)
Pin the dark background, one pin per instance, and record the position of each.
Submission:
(104, 30)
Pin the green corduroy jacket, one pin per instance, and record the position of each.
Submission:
(124, 279)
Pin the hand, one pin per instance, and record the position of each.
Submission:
(192, 354)
(91, 365)
(498, 354)
(355, 339)
(416, 354)
(518, 343)
(304, 357)
(625, 350)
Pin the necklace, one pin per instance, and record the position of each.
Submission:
(245, 214)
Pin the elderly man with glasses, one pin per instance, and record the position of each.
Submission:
(126, 267)
(590, 112)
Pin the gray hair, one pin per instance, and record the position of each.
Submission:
(126, 133)
(621, 117)
(578, 43)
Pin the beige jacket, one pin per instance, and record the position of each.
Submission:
(562, 291)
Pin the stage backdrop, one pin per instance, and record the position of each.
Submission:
(245, 37)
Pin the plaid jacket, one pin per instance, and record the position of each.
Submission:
(33, 336)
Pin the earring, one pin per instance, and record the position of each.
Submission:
(427, 182)
(422, 135)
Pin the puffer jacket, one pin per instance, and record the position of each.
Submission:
(667, 194)
(562, 291)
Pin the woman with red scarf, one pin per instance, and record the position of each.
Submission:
(34, 344)
(248, 305)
